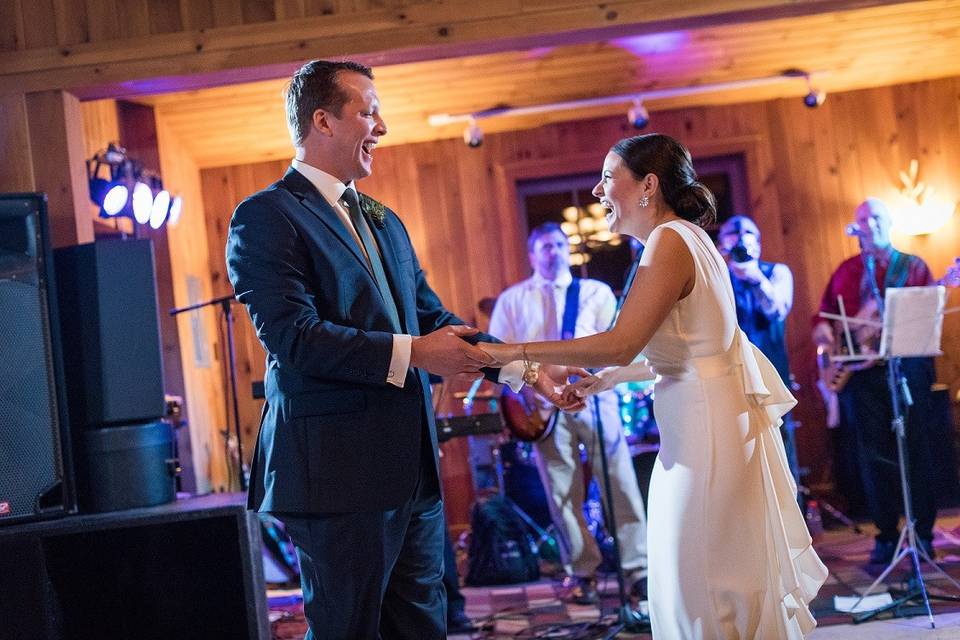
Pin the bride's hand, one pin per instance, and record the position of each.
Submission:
(579, 390)
(502, 353)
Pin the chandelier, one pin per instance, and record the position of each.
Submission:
(588, 232)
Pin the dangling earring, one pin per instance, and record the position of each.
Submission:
(644, 201)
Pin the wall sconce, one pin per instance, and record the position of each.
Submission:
(922, 211)
(587, 230)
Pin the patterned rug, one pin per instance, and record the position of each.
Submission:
(534, 610)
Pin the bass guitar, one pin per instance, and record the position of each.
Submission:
(835, 375)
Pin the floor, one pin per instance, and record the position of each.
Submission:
(534, 610)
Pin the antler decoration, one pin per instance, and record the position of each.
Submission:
(916, 191)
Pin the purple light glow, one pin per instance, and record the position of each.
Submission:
(653, 43)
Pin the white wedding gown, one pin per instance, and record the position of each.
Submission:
(729, 553)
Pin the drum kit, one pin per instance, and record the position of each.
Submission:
(502, 427)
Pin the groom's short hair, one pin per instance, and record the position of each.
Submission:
(315, 86)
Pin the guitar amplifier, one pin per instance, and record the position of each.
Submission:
(475, 425)
(466, 408)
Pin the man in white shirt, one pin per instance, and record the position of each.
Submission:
(533, 310)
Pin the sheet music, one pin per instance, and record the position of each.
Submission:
(913, 322)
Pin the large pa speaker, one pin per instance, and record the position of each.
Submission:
(35, 471)
(111, 333)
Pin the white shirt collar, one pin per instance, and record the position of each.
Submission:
(329, 187)
(562, 281)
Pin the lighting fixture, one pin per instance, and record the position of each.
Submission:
(129, 190)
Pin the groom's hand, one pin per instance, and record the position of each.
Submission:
(444, 352)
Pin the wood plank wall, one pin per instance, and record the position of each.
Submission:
(202, 341)
(808, 169)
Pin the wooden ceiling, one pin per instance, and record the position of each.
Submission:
(849, 49)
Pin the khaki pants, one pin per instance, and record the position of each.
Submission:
(561, 471)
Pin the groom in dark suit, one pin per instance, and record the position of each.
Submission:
(347, 451)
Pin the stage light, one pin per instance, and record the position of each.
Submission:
(473, 135)
(115, 200)
(129, 190)
(637, 115)
(142, 202)
(175, 209)
(111, 197)
(158, 212)
(815, 97)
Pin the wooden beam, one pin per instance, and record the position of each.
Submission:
(55, 125)
(16, 169)
(418, 31)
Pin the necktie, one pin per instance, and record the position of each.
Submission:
(551, 330)
(350, 201)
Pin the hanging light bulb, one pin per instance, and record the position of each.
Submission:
(571, 214)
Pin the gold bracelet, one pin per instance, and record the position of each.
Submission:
(531, 372)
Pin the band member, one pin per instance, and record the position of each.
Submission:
(865, 401)
(534, 309)
(763, 292)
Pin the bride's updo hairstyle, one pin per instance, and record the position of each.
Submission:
(670, 161)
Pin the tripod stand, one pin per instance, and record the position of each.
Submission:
(628, 619)
(226, 303)
(907, 546)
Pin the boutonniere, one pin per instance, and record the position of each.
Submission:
(374, 209)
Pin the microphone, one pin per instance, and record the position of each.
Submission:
(852, 229)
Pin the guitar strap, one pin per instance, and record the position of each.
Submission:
(571, 307)
(898, 271)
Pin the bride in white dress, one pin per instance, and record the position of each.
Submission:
(729, 552)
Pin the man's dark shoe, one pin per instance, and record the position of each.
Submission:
(639, 589)
(459, 622)
(584, 592)
(882, 551)
(927, 545)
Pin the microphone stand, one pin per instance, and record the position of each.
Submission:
(628, 619)
(226, 303)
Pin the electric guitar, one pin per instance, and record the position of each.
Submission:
(528, 418)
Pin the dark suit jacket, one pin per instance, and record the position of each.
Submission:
(335, 436)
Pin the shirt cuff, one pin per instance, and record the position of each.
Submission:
(511, 374)
(399, 359)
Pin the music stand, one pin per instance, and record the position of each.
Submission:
(912, 326)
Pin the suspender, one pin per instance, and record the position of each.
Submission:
(570, 310)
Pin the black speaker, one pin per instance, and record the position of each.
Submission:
(111, 337)
(35, 471)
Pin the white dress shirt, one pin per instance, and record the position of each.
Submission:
(519, 313)
(332, 191)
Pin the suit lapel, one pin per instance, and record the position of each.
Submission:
(311, 199)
